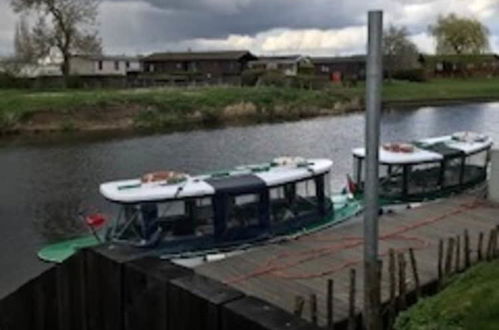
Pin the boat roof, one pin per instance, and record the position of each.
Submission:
(430, 150)
(134, 191)
(394, 158)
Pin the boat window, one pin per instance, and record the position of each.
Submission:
(186, 217)
(391, 180)
(424, 178)
(452, 172)
(358, 172)
(243, 211)
(292, 200)
(475, 167)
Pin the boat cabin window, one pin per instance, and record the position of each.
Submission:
(452, 172)
(243, 211)
(475, 167)
(299, 199)
(424, 178)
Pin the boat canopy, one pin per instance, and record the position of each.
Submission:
(268, 174)
(430, 150)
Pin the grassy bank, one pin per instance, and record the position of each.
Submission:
(471, 301)
(25, 110)
(164, 107)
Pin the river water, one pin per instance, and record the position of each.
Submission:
(45, 180)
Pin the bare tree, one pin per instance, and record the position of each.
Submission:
(23, 42)
(400, 52)
(460, 35)
(68, 25)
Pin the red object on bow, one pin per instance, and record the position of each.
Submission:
(95, 220)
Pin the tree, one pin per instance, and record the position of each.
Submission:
(71, 27)
(460, 35)
(400, 53)
(23, 43)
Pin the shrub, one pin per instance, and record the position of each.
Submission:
(250, 77)
(415, 75)
(274, 78)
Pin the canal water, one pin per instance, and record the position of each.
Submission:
(46, 180)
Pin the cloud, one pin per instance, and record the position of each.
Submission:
(263, 26)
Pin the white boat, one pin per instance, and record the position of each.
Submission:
(428, 168)
(175, 214)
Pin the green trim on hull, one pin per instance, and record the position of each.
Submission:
(61, 251)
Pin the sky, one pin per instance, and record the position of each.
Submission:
(265, 27)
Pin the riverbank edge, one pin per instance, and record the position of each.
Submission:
(128, 119)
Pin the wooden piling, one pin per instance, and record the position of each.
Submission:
(330, 304)
(440, 260)
(299, 305)
(467, 252)
(313, 308)
(490, 245)
(449, 256)
(415, 273)
(457, 268)
(351, 306)
(479, 247)
(402, 282)
(392, 278)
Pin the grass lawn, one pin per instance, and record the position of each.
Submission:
(471, 301)
(161, 107)
(442, 89)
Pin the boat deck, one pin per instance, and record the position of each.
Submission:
(278, 273)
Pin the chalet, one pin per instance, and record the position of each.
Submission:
(461, 65)
(288, 65)
(339, 68)
(100, 65)
(210, 67)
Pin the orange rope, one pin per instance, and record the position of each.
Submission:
(280, 264)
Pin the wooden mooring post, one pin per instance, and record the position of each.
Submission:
(415, 273)
(457, 268)
(313, 308)
(330, 304)
(351, 306)
(467, 252)
(299, 305)
(402, 282)
(479, 247)
(449, 256)
(392, 278)
(440, 261)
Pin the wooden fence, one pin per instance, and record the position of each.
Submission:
(93, 290)
(455, 255)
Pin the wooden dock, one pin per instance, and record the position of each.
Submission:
(279, 273)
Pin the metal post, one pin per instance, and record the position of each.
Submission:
(373, 109)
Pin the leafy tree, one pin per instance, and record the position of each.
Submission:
(68, 25)
(400, 53)
(460, 35)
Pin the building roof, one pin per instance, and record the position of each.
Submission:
(199, 56)
(108, 57)
(281, 59)
(339, 59)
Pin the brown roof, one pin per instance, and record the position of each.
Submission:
(198, 56)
